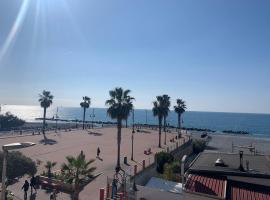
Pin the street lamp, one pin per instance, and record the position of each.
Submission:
(132, 136)
(6, 148)
(56, 119)
(93, 117)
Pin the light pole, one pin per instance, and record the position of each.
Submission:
(6, 148)
(93, 117)
(56, 119)
(146, 117)
(132, 136)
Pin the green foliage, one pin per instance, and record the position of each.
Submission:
(77, 169)
(162, 159)
(8, 121)
(120, 104)
(17, 165)
(45, 99)
(86, 102)
(172, 171)
(198, 146)
(49, 165)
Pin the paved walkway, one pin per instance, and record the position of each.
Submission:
(71, 143)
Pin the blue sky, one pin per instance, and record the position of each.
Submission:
(215, 54)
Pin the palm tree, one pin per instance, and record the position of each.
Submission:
(85, 104)
(166, 105)
(180, 108)
(46, 100)
(158, 111)
(76, 170)
(120, 106)
(49, 165)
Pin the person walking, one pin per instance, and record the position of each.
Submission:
(33, 183)
(98, 152)
(25, 188)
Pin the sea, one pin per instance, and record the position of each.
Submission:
(256, 124)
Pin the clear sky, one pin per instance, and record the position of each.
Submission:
(215, 54)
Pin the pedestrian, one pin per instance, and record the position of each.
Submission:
(98, 152)
(33, 183)
(25, 188)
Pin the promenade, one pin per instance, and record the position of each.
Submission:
(72, 142)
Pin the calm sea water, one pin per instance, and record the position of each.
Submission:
(256, 124)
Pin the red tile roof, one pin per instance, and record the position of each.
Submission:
(238, 193)
(206, 185)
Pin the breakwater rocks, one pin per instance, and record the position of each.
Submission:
(236, 132)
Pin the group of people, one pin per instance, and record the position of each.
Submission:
(32, 185)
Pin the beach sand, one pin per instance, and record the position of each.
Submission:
(223, 142)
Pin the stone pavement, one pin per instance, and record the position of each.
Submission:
(71, 143)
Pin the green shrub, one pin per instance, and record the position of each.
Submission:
(162, 159)
(172, 171)
(17, 165)
(8, 121)
(198, 146)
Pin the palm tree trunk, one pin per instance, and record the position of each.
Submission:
(126, 123)
(164, 126)
(119, 126)
(165, 134)
(179, 118)
(84, 116)
(159, 133)
(44, 123)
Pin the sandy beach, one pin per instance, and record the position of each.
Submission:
(223, 142)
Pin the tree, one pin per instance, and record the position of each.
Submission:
(49, 165)
(163, 158)
(180, 108)
(46, 100)
(166, 104)
(76, 170)
(120, 106)
(8, 121)
(17, 165)
(158, 111)
(85, 104)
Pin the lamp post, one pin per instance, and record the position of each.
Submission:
(56, 119)
(93, 117)
(132, 136)
(6, 148)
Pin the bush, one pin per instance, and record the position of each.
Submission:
(198, 146)
(162, 159)
(17, 165)
(171, 170)
(8, 121)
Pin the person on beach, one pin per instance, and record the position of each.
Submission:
(98, 152)
(25, 188)
(33, 183)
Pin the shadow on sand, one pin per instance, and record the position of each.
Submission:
(94, 133)
(48, 141)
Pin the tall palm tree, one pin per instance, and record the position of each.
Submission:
(166, 105)
(49, 165)
(76, 170)
(158, 111)
(120, 106)
(85, 104)
(46, 100)
(180, 108)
